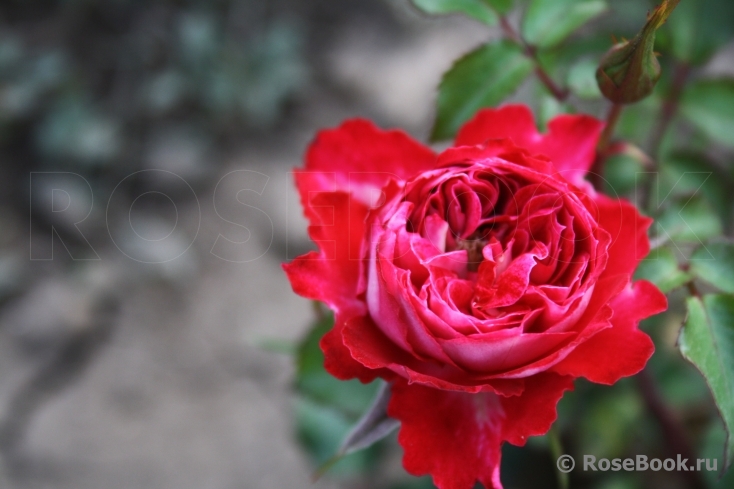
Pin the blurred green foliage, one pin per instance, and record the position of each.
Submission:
(86, 80)
(662, 268)
(327, 408)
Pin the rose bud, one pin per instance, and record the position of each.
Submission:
(479, 282)
(629, 71)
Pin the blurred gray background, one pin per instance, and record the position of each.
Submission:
(145, 208)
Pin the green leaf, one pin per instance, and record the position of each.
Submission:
(548, 22)
(714, 263)
(661, 268)
(707, 341)
(501, 6)
(477, 9)
(697, 29)
(709, 104)
(482, 78)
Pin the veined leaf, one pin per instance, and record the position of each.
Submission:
(707, 341)
(480, 10)
(548, 22)
(482, 78)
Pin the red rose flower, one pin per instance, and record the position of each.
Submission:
(480, 281)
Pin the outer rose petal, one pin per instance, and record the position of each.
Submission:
(333, 274)
(456, 437)
(533, 412)
(621, 350)
(453, 436)
(628, 229)
(358, 154)
(338, 360)
(570, 142)
(370, 347)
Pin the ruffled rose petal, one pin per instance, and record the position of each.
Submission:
(454, 436)
(360, 158)
(338, 360)
(570, 142)
(515, 122)
(628, 231)
(369, 346)
(503, 350)
(622, 350)
(533, 412)
(332, 275)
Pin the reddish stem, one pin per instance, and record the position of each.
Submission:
(667, 114)
(559, 93)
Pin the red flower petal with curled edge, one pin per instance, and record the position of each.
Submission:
(346, 168)
(332, 275)
(457, 437)
(359, 156)
(628, 229)
(454, 436)
(623, 349)
(570, 142)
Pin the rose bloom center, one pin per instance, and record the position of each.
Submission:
(509, 248)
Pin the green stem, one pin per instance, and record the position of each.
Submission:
(556, 448)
